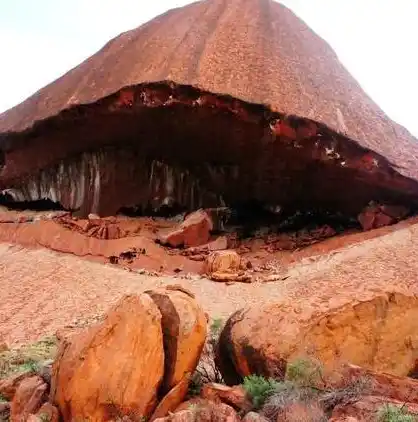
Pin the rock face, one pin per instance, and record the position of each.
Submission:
(193, 231)
(194, 133)
(376, 331)
(142, 353)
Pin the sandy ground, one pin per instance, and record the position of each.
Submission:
(42, 290)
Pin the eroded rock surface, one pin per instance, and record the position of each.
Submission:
(376, 330)
(142, 355)
(114, 368)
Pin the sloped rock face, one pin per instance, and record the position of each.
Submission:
(142, 354)
(113, 369)
(377, 331)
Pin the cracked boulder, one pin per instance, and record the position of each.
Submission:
(250, 105)
(375, 330)
(143, 351)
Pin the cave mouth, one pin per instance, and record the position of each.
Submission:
(159, 149)
(46, 204)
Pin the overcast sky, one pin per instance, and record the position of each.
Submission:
(375, 39)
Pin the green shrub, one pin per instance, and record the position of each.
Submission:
(259, 389)
(305, 372)
(392, 413)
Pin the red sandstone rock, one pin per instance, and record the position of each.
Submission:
(114, 368)
(47, 413)
(302, 411)
(184, 330)
(375, 216)
(8, 386)
(366, 409)
(206, 411)
(225, 266)
(28, 398)
(403, 389)
(4, 411)
(368, 328)
(234, 396)
(193, 231)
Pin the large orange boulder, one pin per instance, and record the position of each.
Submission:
(193, 231)
(184, 332)
(375, 330)
(114, 368)
(142, 354)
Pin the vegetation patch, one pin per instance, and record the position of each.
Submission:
(27, 358)
(392, 413)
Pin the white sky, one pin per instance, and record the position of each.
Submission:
(375, 39)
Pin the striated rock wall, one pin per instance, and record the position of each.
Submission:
(162, 144)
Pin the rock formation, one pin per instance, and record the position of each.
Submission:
(213, 104)
(145, 348)
(375, 330)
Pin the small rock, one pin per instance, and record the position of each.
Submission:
(206, 411)
(4, 411)
(8, 386)
(234, 396)
(3, 347)
(28, 398)
(254, 417)
(47, 412)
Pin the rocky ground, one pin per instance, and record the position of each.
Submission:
(351, 297)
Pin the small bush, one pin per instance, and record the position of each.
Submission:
(2, 399)
(392, 413)
(305, 372)
(259, 389)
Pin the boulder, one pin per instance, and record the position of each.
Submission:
(367, 408)
(184, 333)
(234, 396)
(374, 215)
(375, 330)
(114, 368)
(28, 398)
(225, 266)
(172, 399)
(226, 261)
(142, 354)
(193, 231)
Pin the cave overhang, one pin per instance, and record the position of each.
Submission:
(164, 144)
